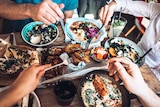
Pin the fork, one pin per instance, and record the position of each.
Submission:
(66, 60)
(90, 40)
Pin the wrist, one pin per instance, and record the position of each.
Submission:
(28, 10)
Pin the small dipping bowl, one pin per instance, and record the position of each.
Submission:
(64, 91)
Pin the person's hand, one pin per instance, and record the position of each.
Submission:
(29, 78)
(47, 11)
(129, 73)
(106, 12)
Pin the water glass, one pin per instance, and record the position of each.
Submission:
(64, 91)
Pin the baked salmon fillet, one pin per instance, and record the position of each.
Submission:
(100, 86)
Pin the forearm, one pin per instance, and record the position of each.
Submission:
(148, 98)
(136, 8)
(10, 96)
(12, 11)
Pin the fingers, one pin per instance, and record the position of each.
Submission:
(42, 67)
(103, 13)
(125, 61)
(57, 9)
(121, 71)
(61, 6)
(36, 68)
(106, 12)
(48, 12)
(120, 66)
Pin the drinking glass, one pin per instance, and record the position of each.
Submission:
(64, 91)
(117, 25)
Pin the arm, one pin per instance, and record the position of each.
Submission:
(46, 11)
(25, 83)
(132, 79)
(136, 8)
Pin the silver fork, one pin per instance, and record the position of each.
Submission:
(90, 40)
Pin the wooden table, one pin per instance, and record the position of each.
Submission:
(46, 95)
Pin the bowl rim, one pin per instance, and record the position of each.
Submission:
(34, 23)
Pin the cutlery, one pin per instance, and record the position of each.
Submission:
(74, 75)
(143, 56)
(11, 40)
(66, 61)
(67, 38)
(120, 13)
(146, 53)
(90, 40)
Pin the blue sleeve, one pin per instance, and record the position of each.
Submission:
(70, 4)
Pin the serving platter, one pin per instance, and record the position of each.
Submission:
(74, 37)
(86, 84)
(15, 58)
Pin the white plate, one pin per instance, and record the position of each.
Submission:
(98, 23)
(36, 101)
(128, 42)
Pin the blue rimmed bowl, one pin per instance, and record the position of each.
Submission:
(29, 30)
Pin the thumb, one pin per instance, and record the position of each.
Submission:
(40, 74)
(122, 71)
(61, 6)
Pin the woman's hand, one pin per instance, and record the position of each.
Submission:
(29, 78)
(26, 82)
(106, 12)
(128, 72)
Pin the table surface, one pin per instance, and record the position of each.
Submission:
(46, 95)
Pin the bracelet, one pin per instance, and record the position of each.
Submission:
(108, 1)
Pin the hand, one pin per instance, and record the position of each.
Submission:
(129, 73)
(106, 12)
(47, 11)
(29, 78)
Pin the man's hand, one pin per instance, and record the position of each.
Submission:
(47, 12)
(106, 12)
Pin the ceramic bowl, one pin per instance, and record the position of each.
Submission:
(27, 29)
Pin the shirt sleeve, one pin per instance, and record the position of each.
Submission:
(138, 8)
(71, 5)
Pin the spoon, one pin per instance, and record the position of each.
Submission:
(120, 13)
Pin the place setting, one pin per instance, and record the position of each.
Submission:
(83, 59)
